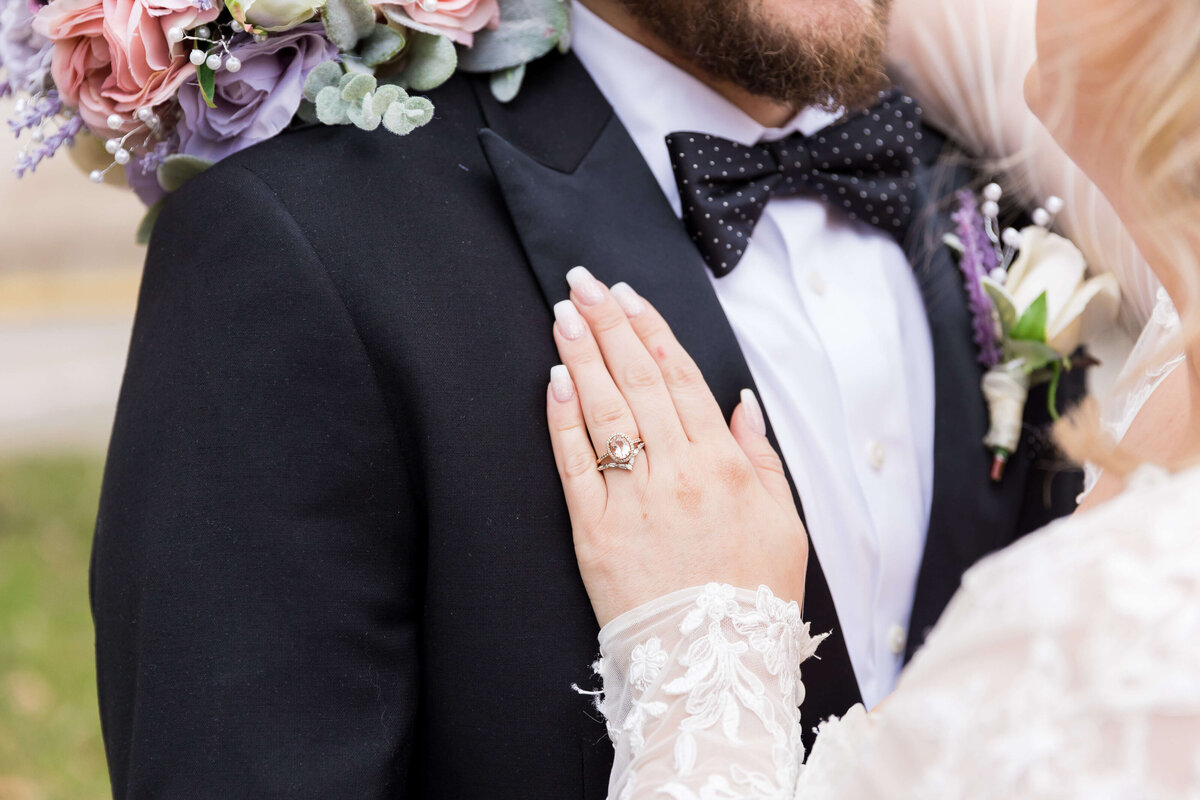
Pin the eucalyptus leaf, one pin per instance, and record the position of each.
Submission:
(528, 29)
(357, 87)
(327, 73)
(404, 117)
(207, 80)
(507, 82)
(362, 114)
(178, 169)
(382, 45)
(431, 61)
(1003, 304)
(146, 226)
(331, 108)
(1031, 326)
(347, 21)
(307, 112)
(384, 96)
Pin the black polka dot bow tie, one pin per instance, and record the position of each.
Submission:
(862, 165)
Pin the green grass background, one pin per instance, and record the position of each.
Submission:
(50, 746)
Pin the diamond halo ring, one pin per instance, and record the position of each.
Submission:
(622, 451)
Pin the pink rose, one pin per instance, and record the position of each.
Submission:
(113, 56)
(456, 19)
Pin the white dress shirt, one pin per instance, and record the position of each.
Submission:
(832, 326)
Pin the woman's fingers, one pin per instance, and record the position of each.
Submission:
(573, 455)
(630, 365)
(698, 410)
(605, 411)
(749, 428)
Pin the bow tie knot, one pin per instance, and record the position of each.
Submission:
(862, 165)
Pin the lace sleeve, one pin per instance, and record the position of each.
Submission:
(701, 695)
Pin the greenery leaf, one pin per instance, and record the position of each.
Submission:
(178, 169)
(1052, 393)
(386, 95)
(431, 61)
(954, 243)
(507, 82)
(1036, 355)
(357, 87)
(146, 226)
(382, 45)
(327, 73)
(1031, 326)
(1002, 303)
(207, 80)
(347, 21)
(528, 29)
(331, 108)
(404, 117)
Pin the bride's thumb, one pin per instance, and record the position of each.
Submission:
(749, 428)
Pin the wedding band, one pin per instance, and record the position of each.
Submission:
(621, 452)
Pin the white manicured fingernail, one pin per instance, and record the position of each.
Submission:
(569, 320)
(561, 385)
(753, 412)
(628, 299)
(589, 290)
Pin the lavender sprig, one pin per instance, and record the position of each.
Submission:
(64, 134)
(36, 111)
(978, 260)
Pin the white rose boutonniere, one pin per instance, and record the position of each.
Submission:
(1033, 307)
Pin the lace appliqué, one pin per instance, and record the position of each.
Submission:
(719, 671)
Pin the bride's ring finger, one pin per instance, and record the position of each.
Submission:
(604, 408)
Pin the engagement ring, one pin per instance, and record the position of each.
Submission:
(621, 452)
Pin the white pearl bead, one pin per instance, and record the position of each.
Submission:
(154, 121)
(196, 57)
(121, 156)
(999, 276)
(260, 37)
(36, 135)
(1054, 204)
(203, 32)
(1011, 237)
(233, 64)
(112, 145)
(175, 34)
(20, 156)
(213, 61)
(993, 192)
(96, 176)
(1041, 217)
(20, 105)
(145, 113)
(115, 121)
(990, 209)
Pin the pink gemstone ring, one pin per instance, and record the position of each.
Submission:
(621, 452)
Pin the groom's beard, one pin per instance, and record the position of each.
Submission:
(826, 53)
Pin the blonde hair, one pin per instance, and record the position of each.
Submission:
(1151, 121)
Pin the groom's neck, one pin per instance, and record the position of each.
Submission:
(765, 111)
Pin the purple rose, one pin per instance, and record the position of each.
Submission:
(257, 101)
(24, 55)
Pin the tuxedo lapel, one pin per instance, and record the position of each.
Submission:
(600, 206)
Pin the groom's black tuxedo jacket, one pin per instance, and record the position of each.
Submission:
(332, 558)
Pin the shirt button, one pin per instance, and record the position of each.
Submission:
(876, 455)
(816, 282)
(897, 638)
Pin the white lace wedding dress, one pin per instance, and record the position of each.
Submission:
(1067, 666)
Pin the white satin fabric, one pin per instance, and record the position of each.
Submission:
(1066, 666)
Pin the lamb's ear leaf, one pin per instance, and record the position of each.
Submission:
(347, 21)
(432, 60)
(176, 170)
(507, 82)
(380, 46)
(146, 226)
(528, 29)
(327, 73)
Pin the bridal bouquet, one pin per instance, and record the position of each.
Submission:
(151, 92)
(1033, 307)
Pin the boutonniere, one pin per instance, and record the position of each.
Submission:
(1033, 306)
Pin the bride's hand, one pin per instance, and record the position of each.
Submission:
(704, 502)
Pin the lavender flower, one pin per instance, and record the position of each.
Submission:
(978, 260)
(64, 134)
(24, 55)
(35, 112)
